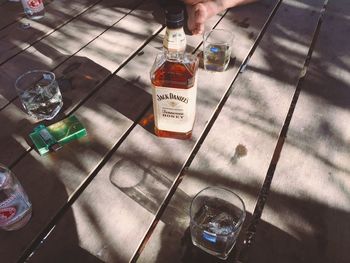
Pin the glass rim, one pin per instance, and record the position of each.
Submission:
(241, 219)
(206, 33)
(34, 71)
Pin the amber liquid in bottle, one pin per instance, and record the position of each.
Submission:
(177, 73)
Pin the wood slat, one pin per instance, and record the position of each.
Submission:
(10, 13)
(49, 182)
(238, 150)
(59, 49)
(311, 186)
(143, 167)
(15, 38)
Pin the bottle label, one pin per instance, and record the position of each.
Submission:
(33, 5)
(7, 213)
(174, 109)
(13, 208)
(175, 40)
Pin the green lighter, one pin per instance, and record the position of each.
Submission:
(52, 138)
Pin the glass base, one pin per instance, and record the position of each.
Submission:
(222, 256)
(41, 117)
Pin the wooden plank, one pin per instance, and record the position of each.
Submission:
(10, 13)
(311, 186)
(14, 38)
(238, 150)
(61, 180)
(128, 110)
(139, 170)
(48, 54)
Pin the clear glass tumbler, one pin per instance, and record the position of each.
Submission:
(217, 45)
(39, 94)
(15, 207)
(34, 9)
(216, 218)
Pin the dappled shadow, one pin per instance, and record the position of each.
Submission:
(61, 43)
(78, 79)
(320, 232)
(69, 249)
(44, 177)
(325, 241)
(329, 58)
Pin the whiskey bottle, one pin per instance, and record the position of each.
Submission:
(174, 86)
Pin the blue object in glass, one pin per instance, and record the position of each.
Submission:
(214, 49)
(210, 237)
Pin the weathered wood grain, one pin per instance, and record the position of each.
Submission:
(142, 62)
(15, 38)
(143, 167)
(53, 51)
(238, 150)
(10, 13)
(309, 203)
(44, 178)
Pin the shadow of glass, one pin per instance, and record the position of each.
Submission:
(176, 246)
(148, 187)
(47, 194)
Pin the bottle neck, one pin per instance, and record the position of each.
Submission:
(175, 40)
(174, 55)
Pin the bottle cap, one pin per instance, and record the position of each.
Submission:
(174, 16)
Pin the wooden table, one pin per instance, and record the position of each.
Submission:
(274, 128)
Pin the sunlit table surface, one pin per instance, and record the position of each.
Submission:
(274, 128)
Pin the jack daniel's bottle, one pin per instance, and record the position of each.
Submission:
(174, 83)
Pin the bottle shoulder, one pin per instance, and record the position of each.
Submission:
(175, 72)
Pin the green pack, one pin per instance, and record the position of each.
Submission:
(53, 137)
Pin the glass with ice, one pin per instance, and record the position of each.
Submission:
(15, 207)
(39, 94)
(217, 215)
(217, 44)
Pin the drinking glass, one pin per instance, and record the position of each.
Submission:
(216, 218)
(39, 94)
(217, 45)
(34, 9)
(15, 207)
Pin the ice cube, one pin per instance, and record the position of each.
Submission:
(215, 220)
(222, 224)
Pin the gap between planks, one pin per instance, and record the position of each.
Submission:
(202, 137)
(22, 14)
(40, 238)
(93, 90)
(49, 33)
(36, 243)
(50, 226)
(73, 54)
(265, 189)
